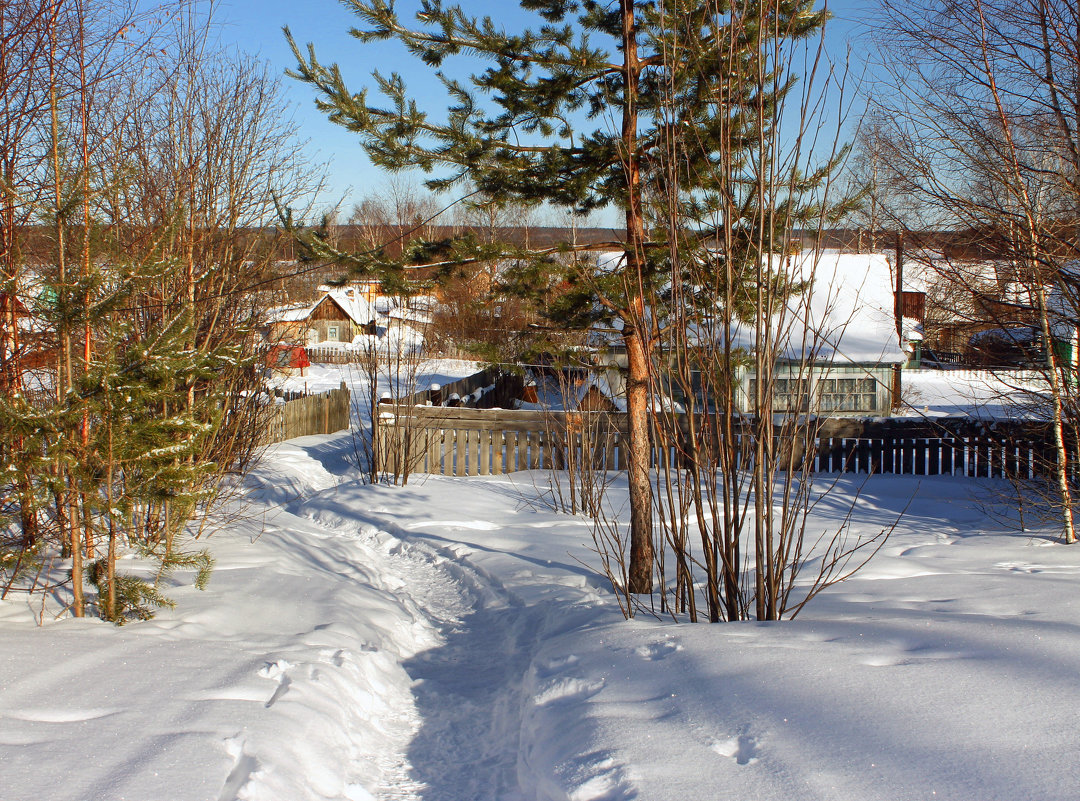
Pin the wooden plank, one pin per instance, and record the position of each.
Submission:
(400, 433)
(836, 455)
(434, 452)
(433, 459)
(449, 448)
(1012, 458)
(532, 440)
(511, 438)
(474, 425)
(548, 448)
(386, 433)
(565, 458)
(1027, 459)
(864, 465)
(484, 462)
(877, 448)
(948, 455)
(472, 452)
(498, 442)
(919, 448)
(446, 448)
(620, 461)
(822, 453)
(389, 436)
(933, 456)
(997, 457)
(459, 452)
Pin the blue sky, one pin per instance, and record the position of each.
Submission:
(255, 27)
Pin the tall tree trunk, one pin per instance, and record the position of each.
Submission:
(637, 462)
(1062, 466)
(636, 336)
(64, 376)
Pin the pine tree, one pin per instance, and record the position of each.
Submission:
(585, 112)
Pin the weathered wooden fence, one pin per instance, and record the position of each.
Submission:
(487, 389)
(469, 442)
(303, 416)
(335, 354)
(323, 353)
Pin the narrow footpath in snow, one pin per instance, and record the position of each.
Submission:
(467, 689)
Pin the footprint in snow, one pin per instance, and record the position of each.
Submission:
(245, 766)
(913, 655)
(335, 658)
(656, 651)
(743, 749)
(276, 671)
(272, 670)
(567, 690)
(550, 667)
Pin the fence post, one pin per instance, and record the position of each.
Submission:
(379, 441)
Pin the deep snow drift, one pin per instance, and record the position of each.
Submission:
(450, 641)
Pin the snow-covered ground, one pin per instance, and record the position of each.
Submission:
(449, 640)
(321, 377)
(998, 395)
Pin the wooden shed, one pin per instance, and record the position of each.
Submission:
(330, 321)
(338, 316)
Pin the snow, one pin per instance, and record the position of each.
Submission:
(452, 640)
(289, 314)
(845, 316)
(983, 394)
(848, 315)
(411, 378)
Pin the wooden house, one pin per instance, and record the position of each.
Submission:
(339, 315)
(838, 346)
(840, 353)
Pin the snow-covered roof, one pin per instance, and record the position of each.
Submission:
(1016, 335)
(918, 272)
(846, 315)
(359, 309)
(1061, 307)
(416, 310)
(601, 383)
(289, 314)
(912, 330)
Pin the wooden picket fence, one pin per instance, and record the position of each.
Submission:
(323, 413)
(322, 353)
(470, 442)
(335, 354)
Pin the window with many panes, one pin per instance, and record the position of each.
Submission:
(789, 394)
(855, 394)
